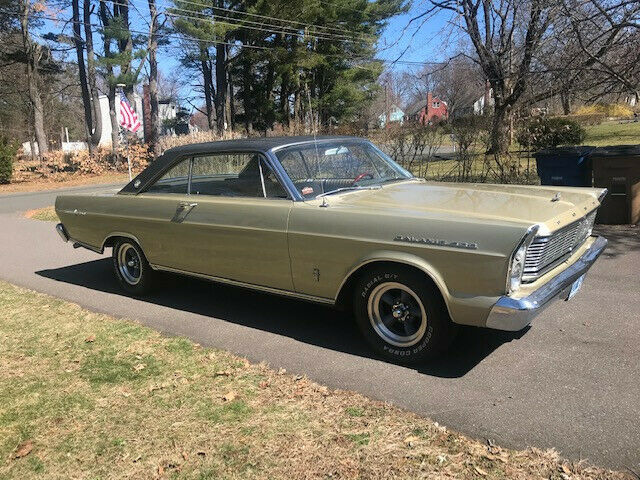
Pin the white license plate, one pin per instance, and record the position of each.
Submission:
(575, 287)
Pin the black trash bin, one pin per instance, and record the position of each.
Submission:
(565, 166)
(618, 169)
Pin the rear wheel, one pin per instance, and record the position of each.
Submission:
(131, 267)
(402, 314)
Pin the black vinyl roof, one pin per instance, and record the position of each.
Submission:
(254, 144)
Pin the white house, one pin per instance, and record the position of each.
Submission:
(395, 115)
(483, 102)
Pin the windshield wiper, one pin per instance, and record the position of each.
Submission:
(344, 189)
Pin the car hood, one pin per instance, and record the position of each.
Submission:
(550, 207)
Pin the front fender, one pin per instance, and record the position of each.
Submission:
(402, 258)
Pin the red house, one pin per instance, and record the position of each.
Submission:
(428, 112)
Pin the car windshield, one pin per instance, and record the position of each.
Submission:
(329, 167)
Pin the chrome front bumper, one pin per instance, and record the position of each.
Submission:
(514, 314)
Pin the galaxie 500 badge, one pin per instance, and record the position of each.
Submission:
(435, 241)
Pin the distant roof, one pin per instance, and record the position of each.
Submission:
(253, 144)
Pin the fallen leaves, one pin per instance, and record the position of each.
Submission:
(411, 440)
(160, 386)
(229, 396)
(139, 367)
(23, 449)
(480, 471)
(90, 339)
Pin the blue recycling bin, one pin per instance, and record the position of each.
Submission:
(565, 166)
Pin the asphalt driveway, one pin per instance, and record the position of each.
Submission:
(571, 381)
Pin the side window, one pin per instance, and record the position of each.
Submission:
(234, 175)
(175, 180)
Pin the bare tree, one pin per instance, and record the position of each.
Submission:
(606, 34)
(506, 36)
(82, 72)
(106, 19)
(96, 128)
(33, 52)
(460, 83)
(153, 78)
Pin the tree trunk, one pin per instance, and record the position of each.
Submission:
(125, 48)
(32, 52)
(113, 116)
(232, 103)
(297, 111)
(221, 81)
(566, 103)
(208, 86)
(82, 72)
(111, 93)
(221, 85)
(96, 128)
(246, 95)
(284, 102)
(499, 136)
(153, 79)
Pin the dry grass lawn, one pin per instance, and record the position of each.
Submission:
(84, 395)
(35, 183)
(47, 214)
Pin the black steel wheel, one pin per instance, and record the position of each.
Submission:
(131, 267)
(402, 314)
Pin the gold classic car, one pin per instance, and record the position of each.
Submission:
(334, 220)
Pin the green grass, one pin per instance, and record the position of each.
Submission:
(613, 133)
(98, 397)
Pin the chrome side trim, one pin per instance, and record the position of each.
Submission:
(513, 314)
(602, 194)
(87, 246)
(236, 283)
(281, 174)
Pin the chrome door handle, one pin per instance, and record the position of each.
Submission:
(182, 211)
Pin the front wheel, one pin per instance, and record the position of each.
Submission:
(131, 268)
(402, 314)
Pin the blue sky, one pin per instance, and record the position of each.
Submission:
(416, 42)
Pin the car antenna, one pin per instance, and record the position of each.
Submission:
(324, 203)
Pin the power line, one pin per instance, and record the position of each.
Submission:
(350, 36)
(261, 29)
(182, 36)
(256, 15)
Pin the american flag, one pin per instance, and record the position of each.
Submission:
(128, 117)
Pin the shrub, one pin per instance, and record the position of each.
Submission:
(8, 151)
(605, 109)
(542, 132)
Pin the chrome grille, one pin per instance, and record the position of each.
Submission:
(545, 252)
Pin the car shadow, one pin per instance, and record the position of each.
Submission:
(306, 322)
(623, 239)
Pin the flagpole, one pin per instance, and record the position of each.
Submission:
(124, 135)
